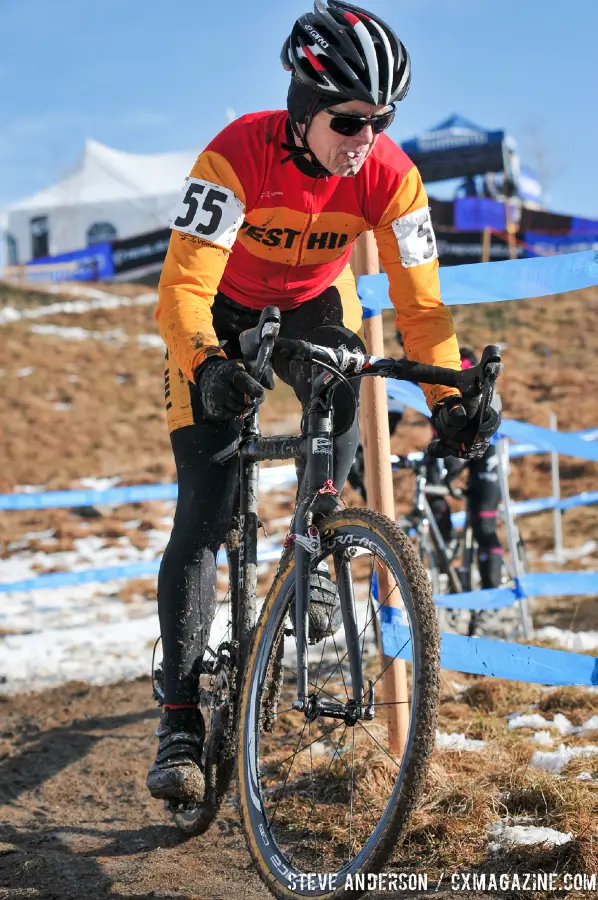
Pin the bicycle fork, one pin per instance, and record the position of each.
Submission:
(318, 474)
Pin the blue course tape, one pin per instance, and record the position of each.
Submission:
(559, 584)
(516, 450)
(409, 394)
(110, 573)
(490, 598)
(480, 656)
(62, 499)
(534, 584)
(492, 282)
(567, 444)
(275, 476)
(539, 504)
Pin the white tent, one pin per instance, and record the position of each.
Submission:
(109, 195)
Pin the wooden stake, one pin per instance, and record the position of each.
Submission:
(486, 243)
(378, 476)
(511, 231)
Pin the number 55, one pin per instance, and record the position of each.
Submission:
(209, 205)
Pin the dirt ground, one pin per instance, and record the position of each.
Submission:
(76, 820)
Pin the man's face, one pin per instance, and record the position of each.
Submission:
(341, 155)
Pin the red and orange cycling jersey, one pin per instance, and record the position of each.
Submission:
(263, 233)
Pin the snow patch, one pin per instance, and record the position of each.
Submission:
(531, 720)
(535, 720)
(100, 654)
(569, 640)
(97, 300)
(99, 484)
(457, 741)
(556, 760)
(503, 837)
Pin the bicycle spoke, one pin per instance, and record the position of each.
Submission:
(313, 806)
(393, 659)
(315, 741)
(320, 691)
(362, 632)
(313, 790)
(347, 769)
(340, 668)
(288, 774)
(376, 741)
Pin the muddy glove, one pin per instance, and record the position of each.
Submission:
(459, 432)
(227, 390)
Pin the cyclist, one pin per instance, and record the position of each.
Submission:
(269, 215)
(483, 495)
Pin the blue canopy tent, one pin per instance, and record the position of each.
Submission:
(456, 148)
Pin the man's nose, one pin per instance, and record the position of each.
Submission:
(366, 133)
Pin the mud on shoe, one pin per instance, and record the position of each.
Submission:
(325, 616)
(176, 774)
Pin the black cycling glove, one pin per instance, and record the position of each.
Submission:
(459, 431)
(227, 390)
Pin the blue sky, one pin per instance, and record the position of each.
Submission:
(153, 76)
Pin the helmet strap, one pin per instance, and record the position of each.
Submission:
(303, 156)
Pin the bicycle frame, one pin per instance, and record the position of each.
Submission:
(316, 448)
(460, 578)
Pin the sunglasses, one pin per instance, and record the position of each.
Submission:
(349, 126)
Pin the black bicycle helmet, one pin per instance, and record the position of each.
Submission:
(345, 53)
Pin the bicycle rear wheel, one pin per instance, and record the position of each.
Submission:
(331, 796)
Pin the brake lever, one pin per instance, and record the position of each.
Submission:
(257, 344)
(492, 367)
(483, 376)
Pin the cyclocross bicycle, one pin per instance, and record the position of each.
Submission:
(451, 570)
(331, 739)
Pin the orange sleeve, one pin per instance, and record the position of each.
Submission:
(408, 254)
(205, 225)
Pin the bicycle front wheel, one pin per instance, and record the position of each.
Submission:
(324, 792)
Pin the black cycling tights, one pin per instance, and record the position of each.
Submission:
(187, 579)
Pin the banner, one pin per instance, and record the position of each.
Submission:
(138, 252)
(456, 248)
(477, 213)
(547, 244)
(94, 264)
(456, 148)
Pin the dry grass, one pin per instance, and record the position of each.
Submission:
(576, 703)
(494, 695)
(467, 791)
